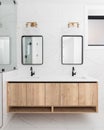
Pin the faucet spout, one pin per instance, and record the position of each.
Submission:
(32, 72)
(73, 71)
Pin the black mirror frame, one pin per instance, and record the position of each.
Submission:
(62, 50)
(22, 48)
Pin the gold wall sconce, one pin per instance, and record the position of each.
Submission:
(73, 24)
(31, 24)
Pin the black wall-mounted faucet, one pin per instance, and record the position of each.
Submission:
(73, 71)
(32, 72)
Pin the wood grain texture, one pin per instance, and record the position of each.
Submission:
(88, 94)
(35, 94)
(17, 94)
(52, 94)
(69, 94)
(52, 110)
(52, 97)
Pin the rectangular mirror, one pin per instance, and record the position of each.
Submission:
(32, 50)
(4, 50)
(8, 30)
(72, 49)
(95, 30)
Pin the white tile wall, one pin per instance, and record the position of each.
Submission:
(52, 18)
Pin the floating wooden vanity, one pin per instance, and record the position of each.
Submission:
(52, 97)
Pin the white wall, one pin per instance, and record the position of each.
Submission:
(52, 18)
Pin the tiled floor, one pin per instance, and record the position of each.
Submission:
(34, 122)
(55, 122)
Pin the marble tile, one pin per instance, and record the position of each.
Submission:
(54, 122)
(37, 122)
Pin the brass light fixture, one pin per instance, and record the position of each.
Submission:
(73, 24)
(31, 24)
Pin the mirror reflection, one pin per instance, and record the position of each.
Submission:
(32, 50)
(4, 50)
(72, 49)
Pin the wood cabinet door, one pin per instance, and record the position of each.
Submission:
(88, 94)
(35, 94)
(69, 94)
(52, 94)
(16, 94)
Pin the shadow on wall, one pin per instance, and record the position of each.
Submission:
(54, 120)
